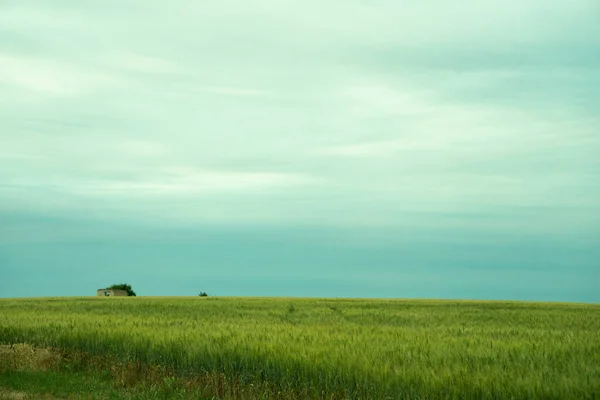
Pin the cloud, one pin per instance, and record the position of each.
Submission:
(135, 62)
(48, 77)
(232, 91)
(188, 182)
(345, 113)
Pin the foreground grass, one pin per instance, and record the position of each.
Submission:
(55, 385)
(234, 348)
(28, 372)
(25, 385)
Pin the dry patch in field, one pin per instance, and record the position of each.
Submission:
(21, 357)
(11, 395)
(6, 394)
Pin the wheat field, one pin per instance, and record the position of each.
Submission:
(331, 348)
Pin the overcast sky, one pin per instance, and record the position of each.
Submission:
(422, 133)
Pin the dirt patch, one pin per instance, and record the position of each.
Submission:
(6, 394)
(25, 357)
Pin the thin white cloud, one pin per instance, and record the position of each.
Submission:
(48, 77)
(136, 148)
(172, 182)
(135, 62)
(17, 15)
(235, 91)
(368, 149)
(375, 100)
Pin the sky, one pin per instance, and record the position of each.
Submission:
(414, 149)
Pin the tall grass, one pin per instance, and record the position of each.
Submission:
(335, 348)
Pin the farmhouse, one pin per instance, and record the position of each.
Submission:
(112, 292)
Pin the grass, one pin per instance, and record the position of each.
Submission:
(29, 372)
(245, 348)
(55, 384)
(24, 385)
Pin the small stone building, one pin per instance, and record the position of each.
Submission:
(111, 292)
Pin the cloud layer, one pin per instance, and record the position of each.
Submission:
(284, 112)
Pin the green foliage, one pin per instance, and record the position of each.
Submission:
(334, 349)
(123, 286)
(203, 294)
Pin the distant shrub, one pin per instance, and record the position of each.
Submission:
(123, 286)
(203, 294)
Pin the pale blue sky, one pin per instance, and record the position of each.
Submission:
(342, 148)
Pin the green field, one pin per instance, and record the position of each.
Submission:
(245, 348)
